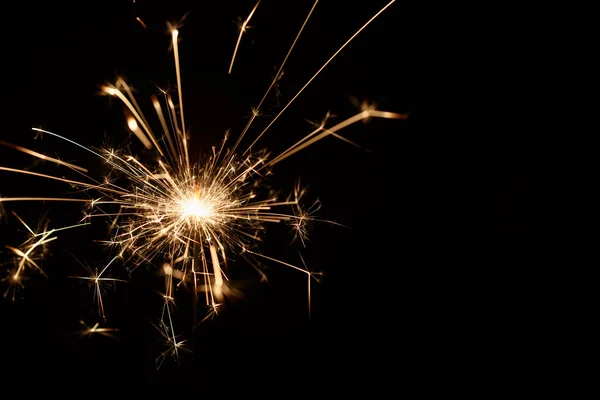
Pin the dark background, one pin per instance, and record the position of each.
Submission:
(527, 151)
(368, 313)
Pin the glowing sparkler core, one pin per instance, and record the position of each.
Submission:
(196, 207)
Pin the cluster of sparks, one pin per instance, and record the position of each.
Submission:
(190, 217)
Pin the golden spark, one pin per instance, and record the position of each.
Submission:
(29, 254)
(88, 331)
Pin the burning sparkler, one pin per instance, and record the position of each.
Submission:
(190, 215)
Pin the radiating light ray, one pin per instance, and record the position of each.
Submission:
(243, 28)
(175, 35)
(276, 78)
(316, 276)
(29, 254)
(42, 156)
(6, 199)
(172, 345)
(163, 122)
(138, 19)
(310, 275)
(43, 131)
(69, 181)
(88, 331)
(142, 133)
(99, 283)
(315, 75)
(321, 133)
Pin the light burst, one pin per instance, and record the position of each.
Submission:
(189, 215)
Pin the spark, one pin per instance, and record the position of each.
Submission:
(276, 78)
(194, 216)
(29, 254)
(243, 28)
(172, 345)
(316, 276)
(138, 19)
(304, 217)
(96, 330)
(319, 71)
(42, 156)
(99, 283)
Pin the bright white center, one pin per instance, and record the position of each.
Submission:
(195, 207)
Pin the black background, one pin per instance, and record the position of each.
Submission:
(370, 310)
(525, 157)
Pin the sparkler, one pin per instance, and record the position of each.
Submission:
(192, 216)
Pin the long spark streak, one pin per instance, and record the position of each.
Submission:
(42, 156)
(138, 19)
(242, 30)
(317, 73)
(275, 79)
(5, 199)
(331, 131)
(175, 35)
(69, 181)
